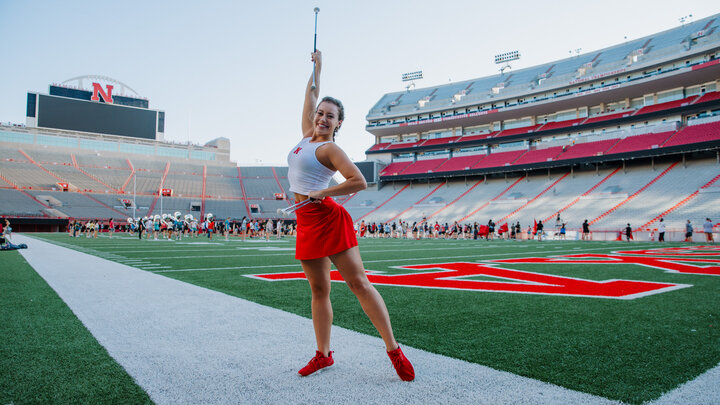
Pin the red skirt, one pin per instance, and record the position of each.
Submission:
(323, 229)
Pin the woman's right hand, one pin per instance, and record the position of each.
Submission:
(316, 58)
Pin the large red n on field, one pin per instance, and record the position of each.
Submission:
(458, 276)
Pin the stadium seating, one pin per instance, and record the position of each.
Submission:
(709, 96)
(459, 163)
(378, 146)
(499, 159)
(441, 141)
(395, 168)
(661, 195)
(608, 117)
(424, 166)
(666, 106)
(401, 145)
(261, 188)
(639, 142)
(471, 138)
(19, 203)
(539, 155)
(695, 134)
(587, 149)
(518, 131)
(560, 124)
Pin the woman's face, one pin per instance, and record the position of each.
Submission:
(326, 119)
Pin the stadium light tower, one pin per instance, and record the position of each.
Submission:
(411, 77)
(506, 58)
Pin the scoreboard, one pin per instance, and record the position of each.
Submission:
(97, 111)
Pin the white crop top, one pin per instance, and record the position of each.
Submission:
(305, 172)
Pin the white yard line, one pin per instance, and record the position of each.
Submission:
(187, 344)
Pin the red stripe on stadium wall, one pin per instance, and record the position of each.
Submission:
(455, 276)
(706, 64)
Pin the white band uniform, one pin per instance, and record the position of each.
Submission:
(305, 172)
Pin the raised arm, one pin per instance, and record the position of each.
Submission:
(311, 96)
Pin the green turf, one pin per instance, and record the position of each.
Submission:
(629, 350)
(47, 355)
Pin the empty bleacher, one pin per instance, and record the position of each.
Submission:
(223, 187)
(587, 149)
(261, 188)
(666, 106)
(539, 155)
(459, 163)
(518, 131)
(424, 166)
(561, 124)
(27, 175)
(608, 117)
(499, 159)
(695, 134)
(184, 184)
(18, 203)
(640, 142)
(395, 168)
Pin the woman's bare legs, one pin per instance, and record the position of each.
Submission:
(317, 272)
(349, 264)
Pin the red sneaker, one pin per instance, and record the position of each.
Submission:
(316, 363)
(402, 364)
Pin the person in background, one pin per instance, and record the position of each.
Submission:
(2, 235)
(539, 231)
(688, 231)
(628, 232)
(585, 230)
(268, 229)
(661, 231)
(708, 230)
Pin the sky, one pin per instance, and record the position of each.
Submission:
(238, 69)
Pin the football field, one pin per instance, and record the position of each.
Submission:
(623, 321)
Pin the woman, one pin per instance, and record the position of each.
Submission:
(325, 232)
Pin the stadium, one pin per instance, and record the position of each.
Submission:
(460, 175)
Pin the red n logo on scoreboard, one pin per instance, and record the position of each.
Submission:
(98, 90)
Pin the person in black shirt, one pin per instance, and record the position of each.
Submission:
(585, 230)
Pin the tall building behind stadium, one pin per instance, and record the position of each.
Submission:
(625, 134)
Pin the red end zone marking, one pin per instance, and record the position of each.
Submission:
(669, 264)
(451, 276)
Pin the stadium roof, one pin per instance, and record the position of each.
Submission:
(677, 42)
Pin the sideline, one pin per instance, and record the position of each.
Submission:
(187, 344)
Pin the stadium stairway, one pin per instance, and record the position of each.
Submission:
(573, 202)
(280, 186)
(416, 203)
(634, 195)
(510, 215)
(384, 202)
(132, 173)
(31, 160)
(678, 205)
(157, 194)
(244, 193)
(521, 178)
(15, 186)
(455, 200)
(75, 164)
